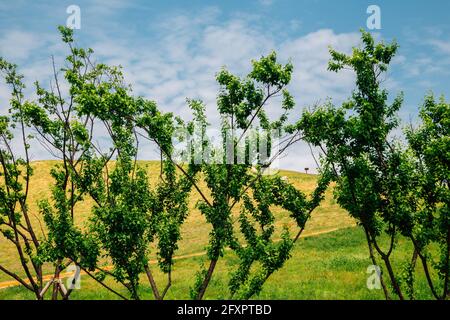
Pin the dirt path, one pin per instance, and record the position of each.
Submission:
(13, 283)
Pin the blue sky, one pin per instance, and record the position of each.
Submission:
(171, 50)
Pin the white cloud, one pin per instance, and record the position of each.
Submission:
(295, 24)
(266, 3)
(182, 62)
(310, 55)
(186, 61)
(442, 46)
(18, 45)
(434, 61)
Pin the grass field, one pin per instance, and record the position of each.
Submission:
(327, 266)
(330, 262)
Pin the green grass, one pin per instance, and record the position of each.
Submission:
(195, 230)
(327, 266)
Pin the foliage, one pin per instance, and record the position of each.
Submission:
(15, 174)
(242, 106)
(430, 144)
(369, 168)
(380, 182)
(393, 190)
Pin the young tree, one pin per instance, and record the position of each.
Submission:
(369, 168)
(16, 218)
(241, 104)
(128, 215)
(430, 144)
(67, 133)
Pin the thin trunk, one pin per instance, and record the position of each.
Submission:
(374, 261)
(389, 268)
(423, 259)
(428, 276)
(169, 284)
(446, 292)
(56, 281)
(151, 279)
(104, 285)
(395, 284)
(207, 279)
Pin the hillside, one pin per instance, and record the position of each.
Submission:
(327, 217)
(329, 261)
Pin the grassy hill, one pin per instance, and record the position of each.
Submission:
(195, 231)
(329, 262)
(327, 266)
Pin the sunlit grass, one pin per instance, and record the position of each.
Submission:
(195, 231)
(327, 266)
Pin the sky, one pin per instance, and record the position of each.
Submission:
(171, 50)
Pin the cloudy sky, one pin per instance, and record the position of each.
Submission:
(171, 50)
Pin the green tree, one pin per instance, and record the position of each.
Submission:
(129, 216)
(370, 169)
(430, 145)
(16, 218)
(66, 133)
(242, 106)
